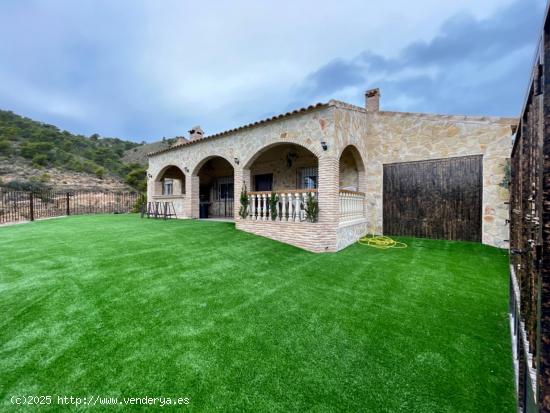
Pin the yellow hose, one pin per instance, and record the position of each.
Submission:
(381, 242)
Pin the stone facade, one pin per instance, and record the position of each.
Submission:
(401, 137)
(349, 145)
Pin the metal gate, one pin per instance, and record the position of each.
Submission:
(222, 204)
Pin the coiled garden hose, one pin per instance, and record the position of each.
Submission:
(381, 242)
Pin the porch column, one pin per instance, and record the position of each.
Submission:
(152, 187)
(329, 195)
(191, 202)
(240, 175)
(178, 186)
(362, 187)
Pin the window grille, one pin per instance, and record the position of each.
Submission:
(308, 178)
(224, 188)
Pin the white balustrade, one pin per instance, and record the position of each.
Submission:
(251, 206)
(290, 206)
(264, 207)
(352, 205)
(297, 204)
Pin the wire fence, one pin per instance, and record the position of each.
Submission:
(27, 206)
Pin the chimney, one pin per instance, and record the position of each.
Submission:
(372, 100)
(196, 133)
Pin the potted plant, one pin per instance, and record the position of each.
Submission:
(243, 210)
(273, 201)
(312, 208)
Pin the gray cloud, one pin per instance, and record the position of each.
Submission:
(472, 66)
(139, 69)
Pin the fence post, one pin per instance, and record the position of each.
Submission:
(68, 208)
(31, 205)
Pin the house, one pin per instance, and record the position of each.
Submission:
(367, 170)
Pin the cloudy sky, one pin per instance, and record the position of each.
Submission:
(142, 70)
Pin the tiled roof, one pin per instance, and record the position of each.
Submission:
(260, 122)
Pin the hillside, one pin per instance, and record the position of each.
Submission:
(138, 154)
(36, 155)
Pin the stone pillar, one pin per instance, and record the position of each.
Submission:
(362, 187)
(328, 197)
(240, 176)
(361, 181)
(153, 187)
(191, 203)
(177, 187)
(374, 195)
(150, 187)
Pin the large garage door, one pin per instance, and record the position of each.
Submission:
(438, 199)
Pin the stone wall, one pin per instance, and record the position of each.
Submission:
(402, 137)
(314, 237)
(349, 232)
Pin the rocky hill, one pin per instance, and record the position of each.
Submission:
(138, 154)
(36, 155)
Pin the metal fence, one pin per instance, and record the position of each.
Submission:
(530, 239)
(27, 206)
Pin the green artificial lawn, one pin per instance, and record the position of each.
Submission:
(119, 306)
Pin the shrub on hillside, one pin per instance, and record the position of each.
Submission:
(32, 185)
(30, 149)
(137, 179)
(39, 160)
(100, 172)
(5, 147)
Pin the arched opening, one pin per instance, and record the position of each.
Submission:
(282, 167)
(352, 182)
(283, 183)
(352, 170)
(216, 188)
(170, 182)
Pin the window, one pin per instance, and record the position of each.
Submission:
(308, 178)
(168, 187)
(263, 182)
(226, 191)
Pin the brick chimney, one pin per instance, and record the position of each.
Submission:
(372, 100)
(196, 133)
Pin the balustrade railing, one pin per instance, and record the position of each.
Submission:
(352, 205)
(290, 206)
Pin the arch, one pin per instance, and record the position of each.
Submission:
(170, 180)
(203, 161)
(282, 166)
(252, 158)
(351, 169)
(214, 178)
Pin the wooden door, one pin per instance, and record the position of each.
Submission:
(438, 199)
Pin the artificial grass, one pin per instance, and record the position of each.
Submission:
(118, 306)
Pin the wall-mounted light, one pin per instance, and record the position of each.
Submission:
(324, 145)
(186, 169)
(290, 158)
